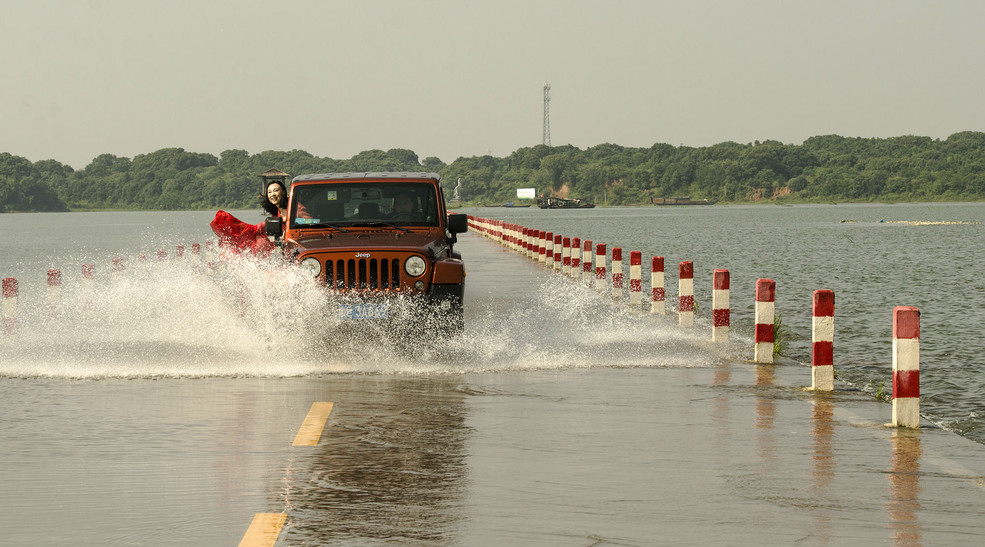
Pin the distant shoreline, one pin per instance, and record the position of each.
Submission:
(778, 202)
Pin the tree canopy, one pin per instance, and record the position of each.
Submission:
(823, 168)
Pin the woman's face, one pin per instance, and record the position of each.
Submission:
(275, 193)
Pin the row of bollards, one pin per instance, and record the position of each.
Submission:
(9, 305)
(569, 256)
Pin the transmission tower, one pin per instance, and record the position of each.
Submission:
(547, 114)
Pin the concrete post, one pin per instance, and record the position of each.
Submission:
(617, 273)
(575, 270)
(549, 250)
(658, 303)
(566, 256)
(586, 262)
(600, 275)
(88, 275)
(822, 337)
(117, 268)
(54, 291)
(906, 366)
(558, 254)
(9, 309)
(720, 306)
(685, 294)
(765, 313)
(635, 279)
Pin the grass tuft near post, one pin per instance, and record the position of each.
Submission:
(780, 335)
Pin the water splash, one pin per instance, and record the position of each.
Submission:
(182, 318)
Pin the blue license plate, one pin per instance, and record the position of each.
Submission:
(364, 311)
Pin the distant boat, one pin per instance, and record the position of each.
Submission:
(686, 200)
(507, 204)
(562, 203)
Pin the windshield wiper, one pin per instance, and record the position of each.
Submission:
(378, 223)
(321, 225)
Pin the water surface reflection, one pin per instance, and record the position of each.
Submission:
(904, 488)
(823, 462)
(391, 466)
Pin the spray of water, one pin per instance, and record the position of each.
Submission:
(247, 317)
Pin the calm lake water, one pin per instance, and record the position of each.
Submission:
(874, 257)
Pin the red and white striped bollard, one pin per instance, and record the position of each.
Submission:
(586, 262)
(657, 305)
(566, 256)
(9, 309)
(196, 256)
(600, 274)
(617, 273)
(906, 366)
(635, 279)
(720, 306)
(822, 339)
(575, 270)
(558, 254)
(549, 250)
(685, 294)
(765, 314)
(54, 290)
(88, 275)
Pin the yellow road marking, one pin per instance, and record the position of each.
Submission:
(264, 529)
(314, 423)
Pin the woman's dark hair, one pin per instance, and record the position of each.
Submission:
(271, 208)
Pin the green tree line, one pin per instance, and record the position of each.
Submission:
(822, 169)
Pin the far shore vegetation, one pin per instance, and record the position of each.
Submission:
(823, 169)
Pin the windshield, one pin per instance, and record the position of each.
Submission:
(364, 203)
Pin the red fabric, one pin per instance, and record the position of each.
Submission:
(238, 236)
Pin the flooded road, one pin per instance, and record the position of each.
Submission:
(558, 418)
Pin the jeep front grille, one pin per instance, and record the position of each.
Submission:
(363, 274)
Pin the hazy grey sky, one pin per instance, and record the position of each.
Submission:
(460, 78)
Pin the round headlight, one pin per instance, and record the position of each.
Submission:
(311, 265)
(414, 266)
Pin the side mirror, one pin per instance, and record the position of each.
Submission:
(274, 227)
(458, 223)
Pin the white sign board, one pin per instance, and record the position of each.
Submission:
(526, 193)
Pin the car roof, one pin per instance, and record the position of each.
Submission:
(395, 175)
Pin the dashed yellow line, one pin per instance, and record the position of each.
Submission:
(314, 424)
(264, 530)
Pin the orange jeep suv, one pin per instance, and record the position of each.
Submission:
(383, 242)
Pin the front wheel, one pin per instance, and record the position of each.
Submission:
(448, 308)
